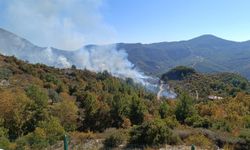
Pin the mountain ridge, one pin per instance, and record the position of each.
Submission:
(206, 53)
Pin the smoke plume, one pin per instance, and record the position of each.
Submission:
(64, 24)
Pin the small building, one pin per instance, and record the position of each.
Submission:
(214, 97)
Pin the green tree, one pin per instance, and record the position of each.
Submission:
(163, 110)
(39, 97)
(119, 110)
(67, 112)
(153, 132)
(15, 110)
(90, 106)
(38, 107)
(47, 133)
(184, 108)
(37, 139)
(53, 130)
(137, 110)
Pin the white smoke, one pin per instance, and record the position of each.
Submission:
(64, 24)
(96, 58)
(44, 56)
(100, 58)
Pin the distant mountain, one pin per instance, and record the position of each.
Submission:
(11, 44)
(206, 53)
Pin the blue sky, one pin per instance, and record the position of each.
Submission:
(166, 20)
(69, 24)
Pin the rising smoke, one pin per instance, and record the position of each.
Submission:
(100, 58)
(65, 24)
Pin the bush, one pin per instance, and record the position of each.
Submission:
(199, 140)
(50, 78)
(81, 137)
(53, 95)
(5, 73)
(171, 122)
(153, 132)
(174, 139)
(47, 133)
(222, 125)
(197, 121)
(247, 121)
(245, 134)
(4, 142)
(114, 140)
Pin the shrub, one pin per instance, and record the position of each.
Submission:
(199, 140)
(197, 121)
(171, 122)
(53, 95)
(81, 137)
(4, 142)
(174, 139)
(22, 143)
(5, 73)
(153, 132)
(50, 78)
(245, 134)
(222, 125)
(114, 140)
(247, 121)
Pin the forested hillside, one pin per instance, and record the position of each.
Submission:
(40, 104)
(203, 85)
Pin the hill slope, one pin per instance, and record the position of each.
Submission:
(40, 104)
(201, 85)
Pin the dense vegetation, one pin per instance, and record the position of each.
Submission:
(177, 73)
(40, 104)
(200, 86)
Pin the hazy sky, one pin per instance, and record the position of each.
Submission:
(69, 24)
